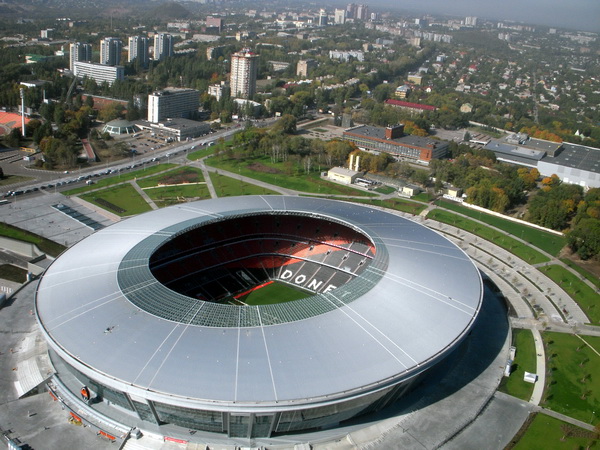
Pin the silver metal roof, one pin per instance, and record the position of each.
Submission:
(420, 305)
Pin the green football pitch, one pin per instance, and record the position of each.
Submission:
(275, 292)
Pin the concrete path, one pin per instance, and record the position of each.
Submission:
(557, 415)
(206, 175)
(540, 364)
(145, 196)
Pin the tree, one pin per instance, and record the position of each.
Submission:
(13, 139)
(286, 124)
(584, 239)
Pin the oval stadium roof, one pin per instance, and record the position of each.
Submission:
(409, 309)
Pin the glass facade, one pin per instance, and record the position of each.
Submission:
(245, 425)
(196, 419)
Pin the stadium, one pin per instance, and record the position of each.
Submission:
(255, 316)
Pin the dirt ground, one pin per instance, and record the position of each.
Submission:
(591, 266)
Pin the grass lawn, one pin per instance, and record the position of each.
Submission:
(172, 195)
(548, 242)
(546, 432)
(391, 203)
(522, 251)
(193, 156)
(524, 362)
(591, 277)
(488, 131)
(11, 179)
(285, 175)
(423, 197)
(273, 293)
(228, 187)
(13, 273)
(45, 245)
(385, 189)
(573, 383)
(120, 178)
(175, 176)
(122, 200)
(584, 295)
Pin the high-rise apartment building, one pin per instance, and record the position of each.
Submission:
(163, 46)
(362, 12)
(138, 49)
(322, 18)
(471, 21)
(110, 51)
(354, 11)
(214, 22)
(79, 52)
(340, 16)
(172, 103)
(304, 67)
(244, 67)
(351, 10)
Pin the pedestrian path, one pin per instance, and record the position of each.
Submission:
(143, 194)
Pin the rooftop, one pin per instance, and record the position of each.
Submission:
(400, 103)
(578, 157)
(379, 133)
(516, 152)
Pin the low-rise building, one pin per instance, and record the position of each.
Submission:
(572, 163)
(180, 129)
(99, 72)
(343, 175)
(411, 107)
(393, 141)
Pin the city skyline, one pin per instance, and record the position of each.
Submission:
(578, 14)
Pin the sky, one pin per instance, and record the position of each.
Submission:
(581, 15)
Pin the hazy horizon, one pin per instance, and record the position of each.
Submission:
(581, 15)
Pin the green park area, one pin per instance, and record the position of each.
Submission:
(584, 273)
(45, 245)
(519, 249)
(572, 381)
(122, 200)
(545, 432)
(284, 174)
(149, 169)
(8, 180)
(424, 197)
(549, 242)
(525, 361)
(273, 293)
(198, 154)
(385, 189)
(172, 195)
(584, 295)
(228, 187)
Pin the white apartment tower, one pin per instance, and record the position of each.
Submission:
(244, 67)
(138, 49)
(79, 52)
(110, 51)
(163, 46)
(172, 103)
(340, 16)
(471, 21)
